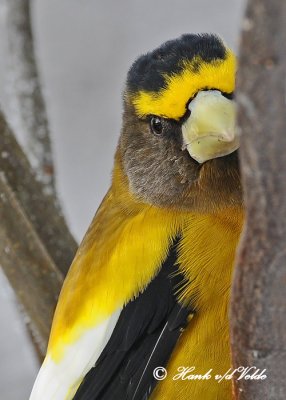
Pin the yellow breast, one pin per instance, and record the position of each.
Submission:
(206, 256)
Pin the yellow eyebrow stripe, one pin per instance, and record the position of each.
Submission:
(171, 101)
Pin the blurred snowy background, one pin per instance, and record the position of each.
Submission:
(84, 50)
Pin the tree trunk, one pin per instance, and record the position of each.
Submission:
(258, 323)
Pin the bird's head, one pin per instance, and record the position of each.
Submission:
(179, 140)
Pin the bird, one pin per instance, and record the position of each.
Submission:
(143, 311)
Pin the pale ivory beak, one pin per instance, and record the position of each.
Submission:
(210, 131)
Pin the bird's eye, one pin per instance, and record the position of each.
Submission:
(156, 125)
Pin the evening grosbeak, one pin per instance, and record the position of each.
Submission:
(149, 286)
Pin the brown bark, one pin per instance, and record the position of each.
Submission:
(258, 323)
(26, 100)
(39, 207)
(36, 247)
(28, 266)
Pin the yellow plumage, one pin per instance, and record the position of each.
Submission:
(206, 256)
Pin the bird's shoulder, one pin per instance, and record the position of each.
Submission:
(120, 254)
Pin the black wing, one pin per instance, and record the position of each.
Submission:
(144, 337)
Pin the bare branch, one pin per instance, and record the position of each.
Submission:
(28, 266)
(25, 95)
(258, 298)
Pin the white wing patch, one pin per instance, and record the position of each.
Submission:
(59, 381)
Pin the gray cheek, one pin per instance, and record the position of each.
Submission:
(157, 171)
